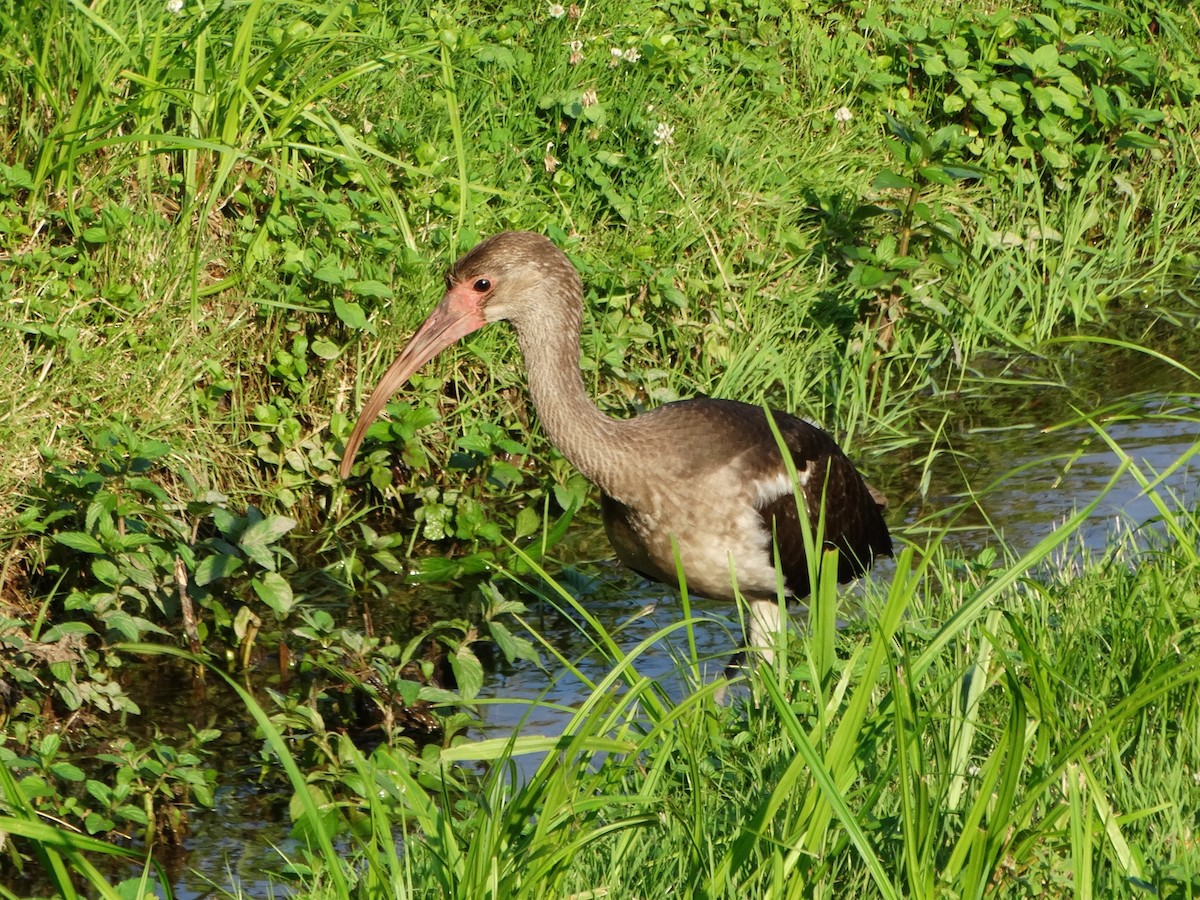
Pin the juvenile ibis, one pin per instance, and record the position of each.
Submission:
(707, 473)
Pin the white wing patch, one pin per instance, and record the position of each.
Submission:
(768, 490)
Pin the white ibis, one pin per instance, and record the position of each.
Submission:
(705, 473)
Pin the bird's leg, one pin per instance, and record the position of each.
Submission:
(764, 626)
(762, 634)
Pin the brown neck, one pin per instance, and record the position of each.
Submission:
(592, 441)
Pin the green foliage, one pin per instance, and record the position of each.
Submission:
(983, 728)
(127, 787)
(121, 560)
(1029, 89)
(216, 225)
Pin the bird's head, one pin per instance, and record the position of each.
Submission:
(516, 276)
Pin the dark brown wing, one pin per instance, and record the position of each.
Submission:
(853, 515)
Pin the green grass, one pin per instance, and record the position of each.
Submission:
(217, 226)
(997, 729)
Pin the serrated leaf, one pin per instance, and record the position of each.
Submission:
(871, 276)
(213, 568)
(527, 522)
(892, 181)
(388, 560)
(408, 690)
(468, 671)
(104, 502)
(371, 288)
(510, 645)
(268, 530)
(434, 569)
(274, 590)
(78, 540)
(105, 571)
(147, 486)
(124, 624)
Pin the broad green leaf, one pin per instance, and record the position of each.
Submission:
(370, 288)
(62, 629)
(510, 645)
(124, 624)
(1045, 58)
(98, 824)
(527, 522)
(468, 671)
(892, 181)
(274, 590)
(105, 571)
(77, 540)
(323, 348)
(259, 553)
(213, 568)
(388, 560)
(330, 272)
(350, 313)
(268, 530)
(67, 771)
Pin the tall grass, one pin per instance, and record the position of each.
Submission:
(216, 226)
(1004, 729)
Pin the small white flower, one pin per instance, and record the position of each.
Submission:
(576, 46)
(842, 115)
(175, 6)
(576, 53)
(557, 10)
(614, 56)
(663, 134)
(631, 55)
(589, 98)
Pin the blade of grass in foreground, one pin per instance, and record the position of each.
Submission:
(968, 612)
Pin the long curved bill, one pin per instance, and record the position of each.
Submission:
(456, 316)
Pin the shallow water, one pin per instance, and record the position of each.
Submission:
(1036, 481)
(1034, 475)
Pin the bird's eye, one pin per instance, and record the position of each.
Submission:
(482, 285)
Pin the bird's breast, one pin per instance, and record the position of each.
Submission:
(715, 527)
